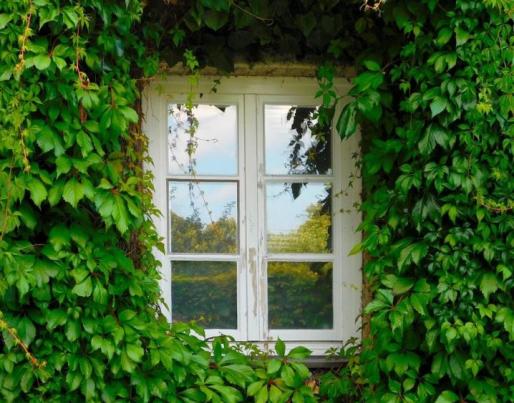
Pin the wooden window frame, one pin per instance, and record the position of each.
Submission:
(250, 94)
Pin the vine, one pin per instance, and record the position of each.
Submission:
(78, 278)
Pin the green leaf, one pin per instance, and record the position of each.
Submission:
(273, 366)
(63, 165)
(280, 348)
(462, 36)
(438, 105)
(37, 191)
(73, 192)
(83, 289)
(367, 80)
(129, 114)
(488, 284)
(254, 387)
(434, 135)
(59, 237)
(228, 393)
(135, 352)
(447, 397)
(5, 19)
(120, 214)
(42, 61)
(26, 330)
(412, 253)
(84, 142)
(299, 353)
(444, 36)
(215, 20)
(347, 123)
(262, 395)
(371, 65)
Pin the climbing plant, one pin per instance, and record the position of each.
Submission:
(79, 295)
(438, 112)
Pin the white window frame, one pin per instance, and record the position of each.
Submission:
(250, 94)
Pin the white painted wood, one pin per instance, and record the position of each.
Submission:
(255, 310)
(250, 93)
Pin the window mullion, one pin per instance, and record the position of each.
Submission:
(252, 216)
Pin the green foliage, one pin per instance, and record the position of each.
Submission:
(78, 280)
(437, 117)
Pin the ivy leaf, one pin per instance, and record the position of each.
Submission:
(438, 105)
(59, 237)
(280, 348)
(347, 123)
(48, 140)
(37, 191)
(5, 19)
(83, 289)
(84, 142)
(41, 61)
(273, 366)
(368, 80)
(135, 352)
(412, 253)
(299, 353)
(254, 387)
(488, 284)
(120, 214)
(371, 65)
(73, 192)
(462, 36)
(129, 114)
(433, 135)
(447, 397)
(445, 34)
(26, 330)
(215, 20)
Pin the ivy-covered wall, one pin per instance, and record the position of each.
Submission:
(79, 285)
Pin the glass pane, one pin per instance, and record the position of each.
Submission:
(298, 218)
(300, 295)
(295, 143)
(212, 149)
(203, 216)
(205, 292)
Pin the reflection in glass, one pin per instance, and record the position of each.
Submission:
(300, 295)
(211, 149)
(205, 292)
(298, 218)
(203, 216)
(295, 143)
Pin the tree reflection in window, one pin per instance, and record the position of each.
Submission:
(315, 158)
(203, 216)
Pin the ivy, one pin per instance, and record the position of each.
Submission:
(79, 288)
(440, 99)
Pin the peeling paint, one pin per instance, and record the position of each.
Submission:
(252, 260)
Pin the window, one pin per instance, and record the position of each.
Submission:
(257, 212)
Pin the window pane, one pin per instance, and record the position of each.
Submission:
(300, 295)
(298, 218)
(203, 216)
(212, 149)
(205, 292)
(295, 143)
